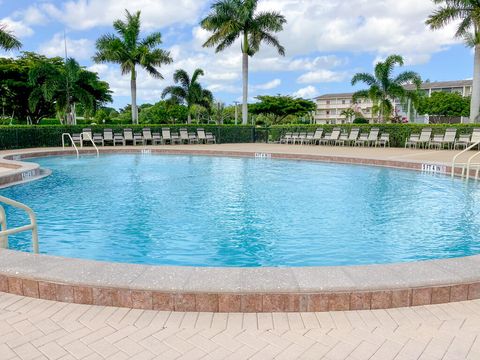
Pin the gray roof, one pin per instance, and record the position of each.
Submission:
(425, 85)
(339, 95)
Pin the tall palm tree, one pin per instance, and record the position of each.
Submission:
(128, 50)
(467, 14)
(8, 41)
(67, 84)
(383, 89)
(233, 19)
(189, 91)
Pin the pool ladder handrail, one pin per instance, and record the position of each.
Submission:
(87, 136)
(466, 166)
(5, 232)
(71, 140)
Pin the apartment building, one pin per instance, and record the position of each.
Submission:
(331, 106)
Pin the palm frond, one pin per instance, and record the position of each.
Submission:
(152, 40)
(196, 74)
(182, 77)
(365, 78)
(7, 40)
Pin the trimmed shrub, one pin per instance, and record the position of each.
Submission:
(398, 132)
(14, 137)
(360, 121)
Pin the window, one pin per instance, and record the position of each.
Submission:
(343, 102)
(328, 112)
(328, 102)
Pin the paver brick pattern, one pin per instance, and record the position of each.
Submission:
(41, 329)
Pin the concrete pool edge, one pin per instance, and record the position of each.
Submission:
(236, 289)
(313, 289)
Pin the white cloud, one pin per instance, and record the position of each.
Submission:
(382, 27)
(31, 16)
(18, 28)
(86, 14)
(322, 75)
(268, 85)
(306, 92)
(316, 29)
(80, 49)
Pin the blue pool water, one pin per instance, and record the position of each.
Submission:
(213, 211)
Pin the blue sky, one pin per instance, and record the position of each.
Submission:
(327, 42)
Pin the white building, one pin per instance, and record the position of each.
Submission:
(330, 106)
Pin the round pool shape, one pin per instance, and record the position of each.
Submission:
(245, 212)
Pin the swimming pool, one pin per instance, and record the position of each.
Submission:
(244, 212)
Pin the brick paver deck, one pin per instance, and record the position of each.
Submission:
(41, 329)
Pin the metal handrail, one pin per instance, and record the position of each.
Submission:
(461, 153)
(71, 140)
(89, 137)
(469, 163)
(3, 222)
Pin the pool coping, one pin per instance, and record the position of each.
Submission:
(281, 289)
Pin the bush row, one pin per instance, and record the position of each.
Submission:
(14, 137)
(398, 132)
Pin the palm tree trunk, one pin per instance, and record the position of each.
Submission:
(245, 79)
(475, 103)
(133, 86)
(189, 118)
(245, 89)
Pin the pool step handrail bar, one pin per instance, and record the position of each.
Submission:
(71, 140)
(454, 161)
(469, 165)
(87, 136)
(5, 232)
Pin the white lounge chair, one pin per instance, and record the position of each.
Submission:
(166, 136)
(107, 136)
(184, 139)
(362, 140)
(210, 138)
(147, 136)
(475, 137)
(118, 139)
(157, 139)
(384, 140)
(449, 138)
(462, 141)
(201, 136)
(98, 139)
(373, 136)
(128, 136)
(138, 139)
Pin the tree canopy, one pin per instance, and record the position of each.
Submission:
(164, 112)
(444, 104)
(279, 107)
(65, 84)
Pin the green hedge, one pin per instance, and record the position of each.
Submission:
(398, 132)
(14, 137)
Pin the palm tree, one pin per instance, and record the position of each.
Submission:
(383, 89)
(7, 40)
(66, 85)
(349, 114)
(128, 50)
(233, 19)
(467, 14)
(189, 92)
